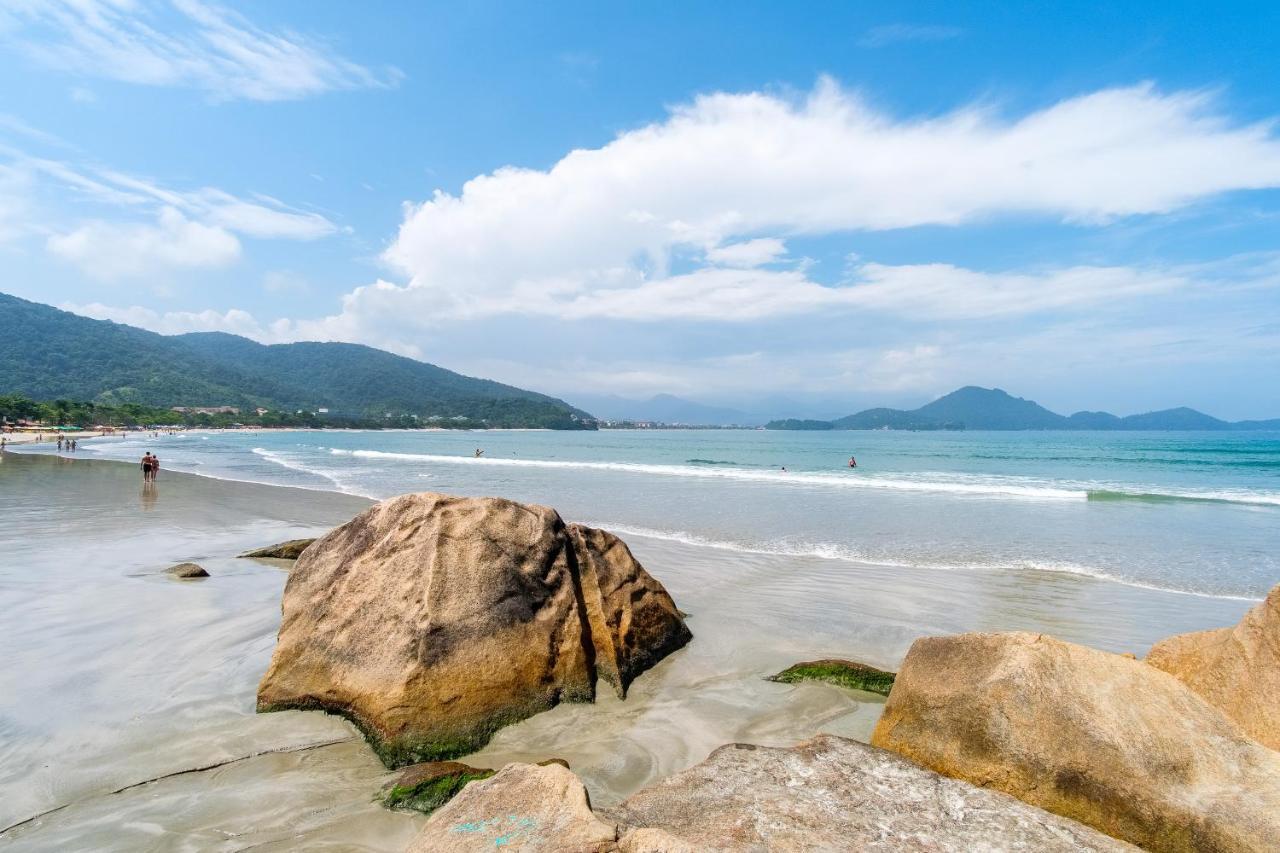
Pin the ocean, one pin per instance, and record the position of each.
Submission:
(1182, 512)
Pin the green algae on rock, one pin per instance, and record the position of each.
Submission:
(842, 673)
(426, 787)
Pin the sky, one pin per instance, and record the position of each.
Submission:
(806, 208)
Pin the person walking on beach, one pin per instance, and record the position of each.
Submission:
(146, 467)
(59, 444)
(155, 467)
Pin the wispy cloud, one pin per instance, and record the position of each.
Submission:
(126, 226)
(185, 43)
(897, 33)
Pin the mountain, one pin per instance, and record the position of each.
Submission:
(48, 354)
(665, 408)
(992, 409)
(989, 408)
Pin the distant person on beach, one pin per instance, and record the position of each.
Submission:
(479, 453)
(853, 463)
(146, 467)
(59, 444)
(3, 441)
(155, 467)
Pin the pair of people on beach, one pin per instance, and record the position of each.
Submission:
(150, 467)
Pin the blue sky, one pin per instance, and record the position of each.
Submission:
(832, 205)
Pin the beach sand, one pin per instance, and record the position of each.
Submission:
(49, 436)
(117, 674)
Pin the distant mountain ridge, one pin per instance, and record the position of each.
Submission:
(972, 407)
(47, 354)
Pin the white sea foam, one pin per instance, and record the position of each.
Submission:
(989, 487)
(294, 465)
(842, 553)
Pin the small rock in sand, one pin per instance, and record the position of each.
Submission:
(290, 550)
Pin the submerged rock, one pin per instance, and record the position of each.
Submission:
(187, 571)
(830, 793)
(428, 786)
(842, 673)
(1234, 669)
(290, 550)
(432, 621)
(1097, 737)
(523, 807)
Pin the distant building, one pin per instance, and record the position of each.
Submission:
(206, 410)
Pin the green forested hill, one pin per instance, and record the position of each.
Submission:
(49, 354)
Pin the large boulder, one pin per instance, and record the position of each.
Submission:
(1096, 737)
(524, 807)
(432, 621)
(830, 793)
(1235, 669)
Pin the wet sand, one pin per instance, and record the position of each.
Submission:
(116, 674)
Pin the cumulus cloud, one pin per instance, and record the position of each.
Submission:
(110, 251)
(729, 177)
(183, 43)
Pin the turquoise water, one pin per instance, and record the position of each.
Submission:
(1185, 512)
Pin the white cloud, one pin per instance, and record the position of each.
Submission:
(116, 212)
(265, 218)
(183, 43)
(110, 251)
(235, 321)
(749, 253)
(898, 33)
(735, 175)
